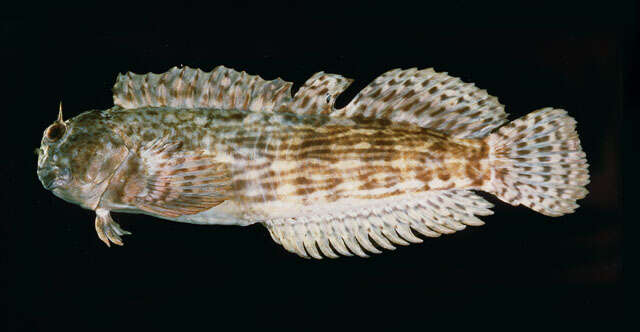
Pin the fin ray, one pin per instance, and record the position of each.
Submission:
(318, 94)
(356, 231)
(538, 162)
(186, 87)
(180, 183)
(430, 100)
(421, 97)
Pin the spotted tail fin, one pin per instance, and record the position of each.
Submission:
(537, 161)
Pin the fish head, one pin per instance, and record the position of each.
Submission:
(78, 157)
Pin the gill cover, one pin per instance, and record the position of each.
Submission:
(78, 156)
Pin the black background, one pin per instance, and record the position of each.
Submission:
(520, 268)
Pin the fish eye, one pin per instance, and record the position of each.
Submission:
(55, 131)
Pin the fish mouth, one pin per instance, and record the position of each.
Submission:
(54, 177)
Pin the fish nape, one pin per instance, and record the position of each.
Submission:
(224, 147)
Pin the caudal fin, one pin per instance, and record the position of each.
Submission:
(537, 161)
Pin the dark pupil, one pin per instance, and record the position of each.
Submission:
(55, 132)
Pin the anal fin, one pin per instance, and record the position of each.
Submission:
(380, 225)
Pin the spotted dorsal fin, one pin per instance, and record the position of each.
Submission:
(420, 97)
(222, 88)
(318, 94)
(430, 100)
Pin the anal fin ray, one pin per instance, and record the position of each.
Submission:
(372, 229)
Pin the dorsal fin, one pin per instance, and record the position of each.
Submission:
(421, 97)
(222, 88)
(430, 100)
(319, 94)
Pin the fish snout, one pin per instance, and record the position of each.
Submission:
(52, 177)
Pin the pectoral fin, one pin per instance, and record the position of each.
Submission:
(181, 182)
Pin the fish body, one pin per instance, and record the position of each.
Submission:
(229, 148)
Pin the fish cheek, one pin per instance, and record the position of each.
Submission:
(95, 165)
(110, 163)
(125, 184)
(80, 159)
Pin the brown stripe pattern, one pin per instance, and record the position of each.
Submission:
(226, 147)
(337, 162)
(297, 160)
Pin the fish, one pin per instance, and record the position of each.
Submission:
(401, 162)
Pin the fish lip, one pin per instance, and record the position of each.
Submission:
(54, 178)
(54, 184)
(48, 185)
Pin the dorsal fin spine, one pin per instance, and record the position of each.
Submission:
(421, 97)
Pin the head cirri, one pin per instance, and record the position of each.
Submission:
(78, 156)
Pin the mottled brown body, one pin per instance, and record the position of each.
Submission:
(294, 159)
(330, 163)
(225, 147)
